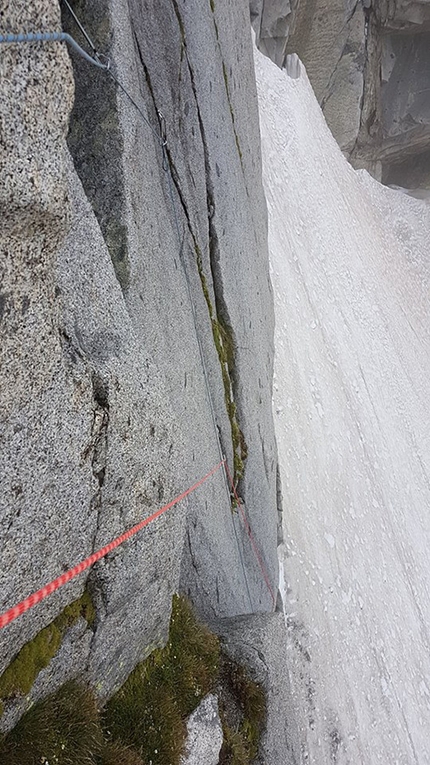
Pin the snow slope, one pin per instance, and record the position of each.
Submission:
(351, 275)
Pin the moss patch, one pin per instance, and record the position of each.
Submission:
(20, 675)
(32, 658)
(144, 723)
(83, 607)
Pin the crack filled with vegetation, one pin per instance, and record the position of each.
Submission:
(144, 723)
(224, 344)
(223, 340)
(218, 315)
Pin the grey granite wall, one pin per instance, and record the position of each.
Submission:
(113, 284)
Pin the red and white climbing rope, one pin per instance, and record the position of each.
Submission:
(48, 589)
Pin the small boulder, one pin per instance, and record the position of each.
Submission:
(205, 735)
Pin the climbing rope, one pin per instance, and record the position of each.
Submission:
(48, 589)
(250, 535)
(99, 56)
(167, 164)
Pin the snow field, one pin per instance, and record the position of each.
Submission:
(350, 270)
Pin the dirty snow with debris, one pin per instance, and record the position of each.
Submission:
(350, 266)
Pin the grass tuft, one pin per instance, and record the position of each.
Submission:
(63, 729)
(243, 715)
(149, 711)
(253, 701)
(144, 723)
(233, 751)
(117, 754)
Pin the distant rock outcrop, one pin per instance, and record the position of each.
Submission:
(369, 65)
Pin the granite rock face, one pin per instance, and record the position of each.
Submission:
(405, 109)
(121, 283)
(205, 234)
(42, 425)
(369, 65)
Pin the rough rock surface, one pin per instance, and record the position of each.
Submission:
(69, 662)
(271, 22)
(107, 270)
(330, 38)
(212, 150)
(259, 643)
(368, 63)
(405, 109)
(204, 734)
(42, 426)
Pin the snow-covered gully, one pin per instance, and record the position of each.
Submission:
(351, 275)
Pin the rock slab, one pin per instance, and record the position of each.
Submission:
(259, 643)
(205, 735)
(114, 275)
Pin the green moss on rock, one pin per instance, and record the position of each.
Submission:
(35, 655)
(224, 344)
(83, 607)
(32, 658)
(144, 723)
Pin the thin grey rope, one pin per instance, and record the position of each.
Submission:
(132, 101)
(83, 30)
(97, 55)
